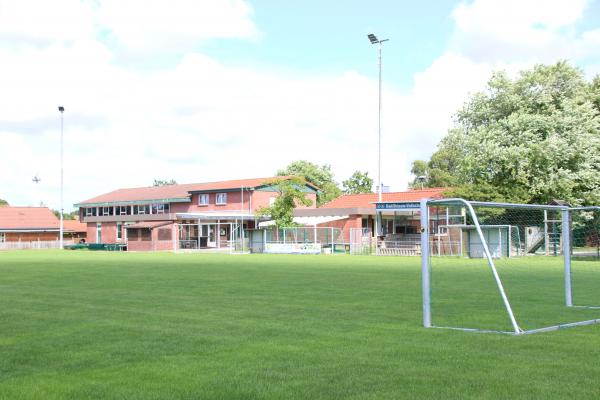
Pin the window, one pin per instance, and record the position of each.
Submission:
(203, 199)
(124, 210)
(119, 231)
(90, 212)
(164, 234)
(133, 234)
(145, 209)
(145, 235)
(106, 210)
(2, 237)
(158, 208)
(221, 198)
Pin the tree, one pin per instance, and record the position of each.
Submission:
(3, 203)
(359, 182)
(320, 176)
(291, 194)
(161, 182)
(531, 139)
(67, 216)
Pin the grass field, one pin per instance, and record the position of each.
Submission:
(81, 325)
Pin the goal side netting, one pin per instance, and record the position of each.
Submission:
(509, 268)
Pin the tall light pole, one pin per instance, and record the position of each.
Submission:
(62, 112)
(373, 39)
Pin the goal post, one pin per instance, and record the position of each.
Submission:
(543, 227)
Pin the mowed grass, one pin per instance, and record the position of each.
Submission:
(83, 325)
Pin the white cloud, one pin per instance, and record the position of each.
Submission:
(142, 25)
(40, 23)
(520, 30)
(202, 120)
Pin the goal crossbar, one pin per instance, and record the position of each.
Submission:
(516, 329)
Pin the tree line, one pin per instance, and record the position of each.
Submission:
(530, 139)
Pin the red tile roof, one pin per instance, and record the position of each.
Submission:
(367, 199)
(174, 191)
(73, 225)
(27, 218)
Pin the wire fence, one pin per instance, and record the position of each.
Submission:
(34, 245)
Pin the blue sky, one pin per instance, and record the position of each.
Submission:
(201, 90)
(319, 37)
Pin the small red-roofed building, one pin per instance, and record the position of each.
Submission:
(357, 211)
(28, 224)
(75, 230)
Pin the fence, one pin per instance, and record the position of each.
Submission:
(35, 245)
(312, 240)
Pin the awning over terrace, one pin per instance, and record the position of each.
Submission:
(148, 224)
(312, 221)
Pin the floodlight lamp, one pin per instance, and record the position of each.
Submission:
(61, 109)
(372, 38)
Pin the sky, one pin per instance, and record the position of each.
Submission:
(201, 91)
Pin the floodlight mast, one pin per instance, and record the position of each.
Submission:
(373, 39)
(61, 109)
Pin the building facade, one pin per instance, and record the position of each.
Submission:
(189, 216)
(28, 224)
(36, 224)
(357, 212)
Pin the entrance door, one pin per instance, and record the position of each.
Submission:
(212, 239)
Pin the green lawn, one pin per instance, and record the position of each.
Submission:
(82, 325)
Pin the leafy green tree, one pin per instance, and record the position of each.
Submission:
(71, 215)
(320, 176)
(290, 195)
(3, 202)
(161, 182)
(359, 182)
(530, 139)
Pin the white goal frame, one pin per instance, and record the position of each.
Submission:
(517, 330)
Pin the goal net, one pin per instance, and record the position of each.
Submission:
(509, 268)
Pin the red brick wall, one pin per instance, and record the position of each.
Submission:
(253, 200)
(353, 221)
(135, 244)
(109, 232)
(163, 244)
(139, 245)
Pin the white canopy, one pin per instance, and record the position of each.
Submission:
(312, 221)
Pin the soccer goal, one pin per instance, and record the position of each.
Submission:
(509, 268)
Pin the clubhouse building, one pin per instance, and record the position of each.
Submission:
(188, 216)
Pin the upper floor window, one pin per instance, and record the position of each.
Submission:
(203, 199)
(221, 198)
(141, 209)
(160, 208)
(90, 212)
(124, 210)
(107, 210)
